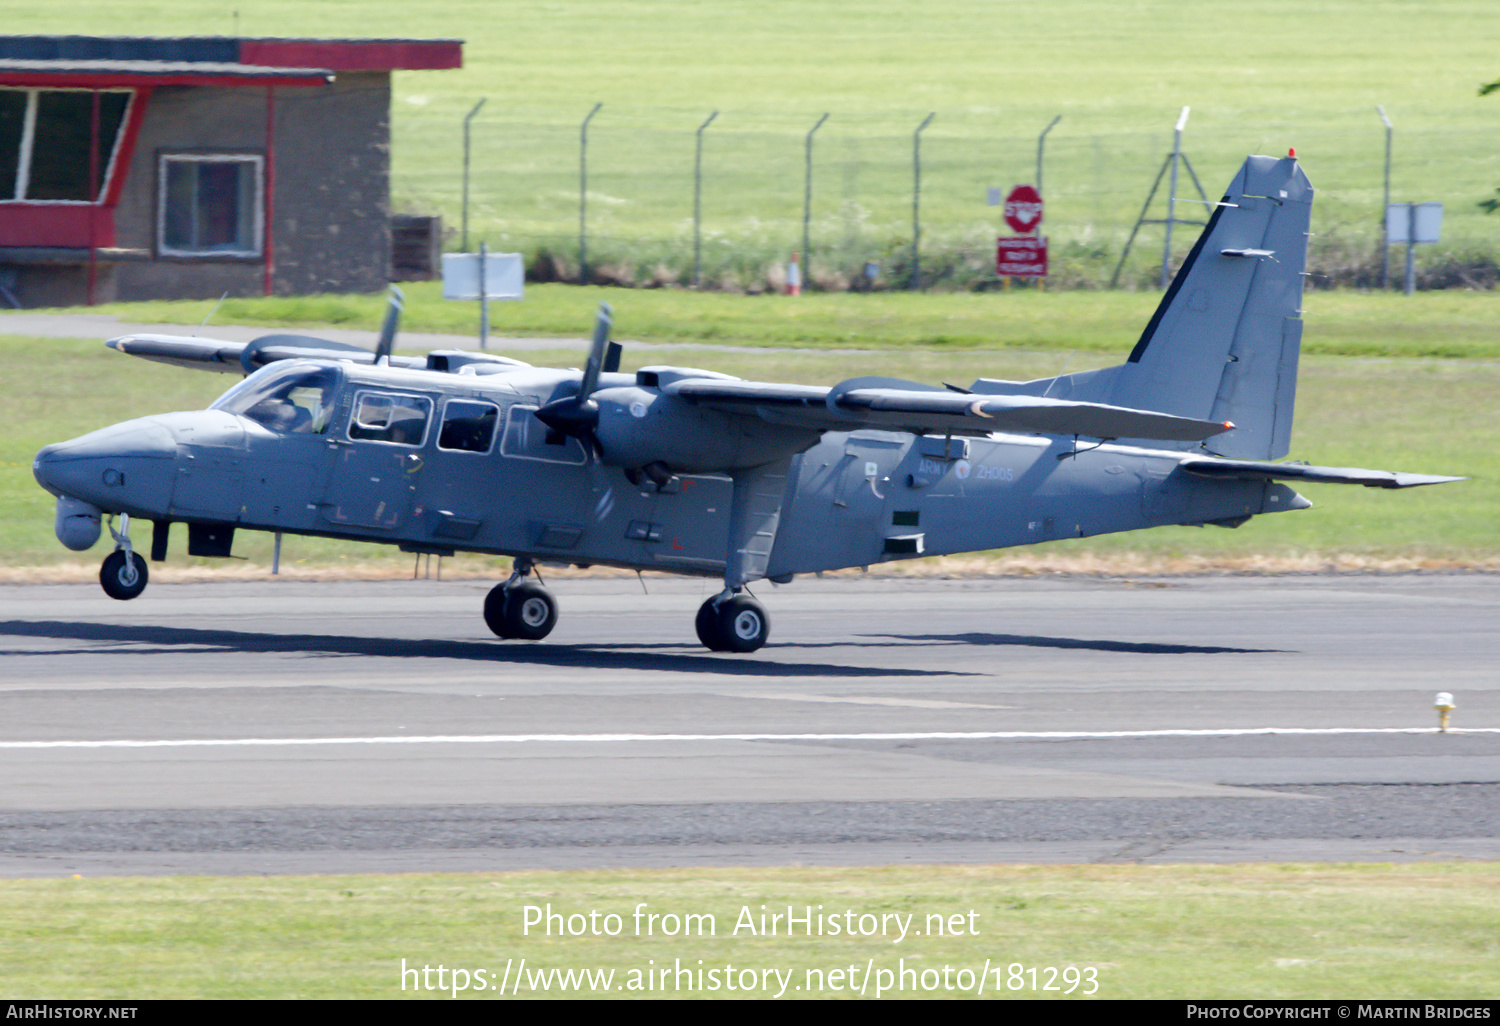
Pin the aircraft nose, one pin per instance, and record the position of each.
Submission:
(108, 467)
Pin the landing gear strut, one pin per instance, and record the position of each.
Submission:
(520, 608)
(732, 622)
(123, 575)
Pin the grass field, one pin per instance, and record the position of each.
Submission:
(994, 74)
(1445, 324)
(1271, 931)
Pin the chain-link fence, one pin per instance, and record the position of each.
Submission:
(859, 209)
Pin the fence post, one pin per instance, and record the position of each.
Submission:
(469, 118)
(583, 192)
(698, 204)
(807, 207)
(916, 202)
(1385, 242)
(1041, 141)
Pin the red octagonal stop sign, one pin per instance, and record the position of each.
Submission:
(1023, 209)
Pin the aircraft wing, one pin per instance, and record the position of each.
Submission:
(903, 406)
(242, 357)
(1246, 470)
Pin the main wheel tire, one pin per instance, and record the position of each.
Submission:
(739, 624)
(744, 624)
(530, 611)
(707, 626)
(121, 578)
(494, 611)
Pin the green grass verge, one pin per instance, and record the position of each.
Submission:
(1240, 931)
(1449, 324)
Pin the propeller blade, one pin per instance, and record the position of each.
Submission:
(578, 415)
(388, 329)
(602, 324)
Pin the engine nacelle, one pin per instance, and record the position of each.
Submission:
(77, 525)
(639, 426)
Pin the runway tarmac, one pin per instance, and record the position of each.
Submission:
(281, 726)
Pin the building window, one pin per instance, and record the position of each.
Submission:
(209, 205)
(45, 142)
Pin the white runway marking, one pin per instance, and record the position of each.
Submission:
(932, 735)
(897, 703)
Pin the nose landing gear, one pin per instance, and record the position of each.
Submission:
(123, 575)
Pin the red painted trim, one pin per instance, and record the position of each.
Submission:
(126, 149)
(106, 80)
(66, 225)
(270, 203)
(355, 55)
(93, 196)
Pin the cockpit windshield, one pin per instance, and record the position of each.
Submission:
(294, 397)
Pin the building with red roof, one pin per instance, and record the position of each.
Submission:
(156, 168)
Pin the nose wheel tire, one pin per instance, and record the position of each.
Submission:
(123, 576)
(738, 624)
(525, 610)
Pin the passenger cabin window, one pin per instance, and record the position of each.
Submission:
(401, 419)
(527, 438)
(290, 398)
(468, 427)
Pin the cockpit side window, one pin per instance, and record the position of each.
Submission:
(382, 417)
(468, 426)
(290, 398)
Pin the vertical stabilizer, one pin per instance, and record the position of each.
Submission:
(1224, 341)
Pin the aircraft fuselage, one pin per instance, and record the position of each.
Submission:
(443, 463)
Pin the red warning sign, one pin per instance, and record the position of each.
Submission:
(1023, 256)
(1023, 209)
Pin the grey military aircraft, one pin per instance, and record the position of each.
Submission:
(692, 472)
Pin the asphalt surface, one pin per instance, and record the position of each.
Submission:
(279, 726)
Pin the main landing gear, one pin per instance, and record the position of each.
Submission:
(732, 622)
(521, 607)
(123, 575)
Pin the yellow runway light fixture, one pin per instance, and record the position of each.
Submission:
(1444, 706)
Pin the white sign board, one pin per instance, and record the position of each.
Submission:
(1400, 222)
(504, 276)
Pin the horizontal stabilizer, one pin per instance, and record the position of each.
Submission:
(1247, 470)
(923, 411)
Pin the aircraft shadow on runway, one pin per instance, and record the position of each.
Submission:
(160, 640)
(1037, 641)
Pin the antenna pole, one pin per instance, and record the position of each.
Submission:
(1166, 250)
